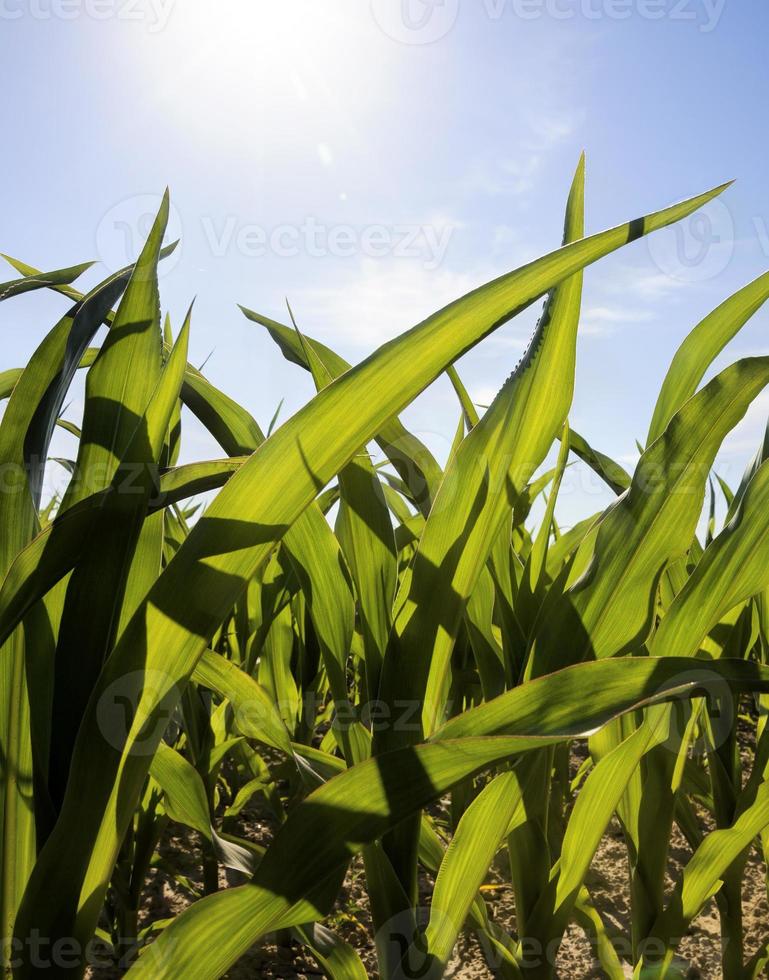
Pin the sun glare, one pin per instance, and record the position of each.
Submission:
(302, 53)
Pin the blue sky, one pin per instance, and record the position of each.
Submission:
(373, 159)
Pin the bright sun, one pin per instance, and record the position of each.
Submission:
(281, 60)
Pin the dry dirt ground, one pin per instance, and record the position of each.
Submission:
(699, 950)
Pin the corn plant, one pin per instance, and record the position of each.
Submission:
(385, 652)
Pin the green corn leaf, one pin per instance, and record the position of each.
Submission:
(431, 855)
(337, 958)
(588, 918)
(653, 678)
(181, 482)
(255, 714)
(61, 284)
(411, 458)
(762, 454)
(480, 488)
(230, 424)
(481, 485)
(613, 475)
(25, 433)
(609, 609)
(312, 548)
(57, 548)
(113, 450)
(531, 590)
(123, 378)
(597, 801)
(734, 568)
(185, 794)
(185, 801)
(365, 533)
(563, 549)
(700, 348)
(478, 837)
(725, 490)
(275, 672)
(703, 877)
(468, 408)
(8, 380)
(41, 280)
(317, 560)
(489, 655)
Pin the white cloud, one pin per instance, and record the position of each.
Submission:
(549, 130)
(641, 283)
(483, 394)
(378, 300)
(602, 321)
(517, 174)
(501, 340)
(504, 178)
